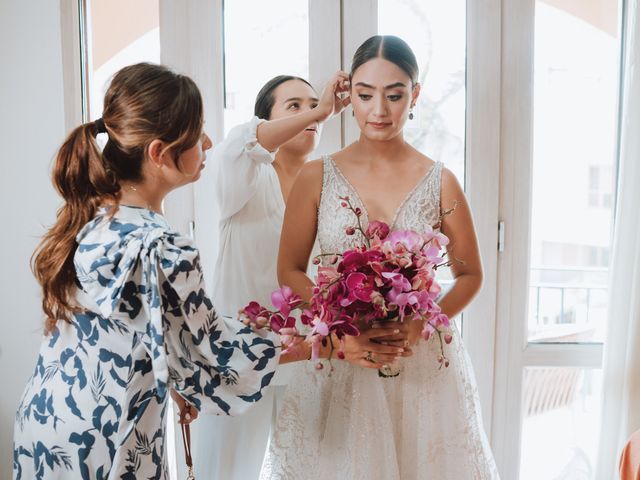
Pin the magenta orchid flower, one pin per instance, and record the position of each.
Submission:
(359, 287)
(399, 282)
(278, 322)
(411, 240)
(378, 230)
(351, 261)
(285, 300)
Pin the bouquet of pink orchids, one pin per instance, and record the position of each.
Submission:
(390, 276)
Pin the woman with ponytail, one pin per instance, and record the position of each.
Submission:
(127, 319)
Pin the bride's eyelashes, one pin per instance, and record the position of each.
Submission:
(364, 97)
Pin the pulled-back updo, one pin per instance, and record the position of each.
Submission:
(143, 102)
(391, 48)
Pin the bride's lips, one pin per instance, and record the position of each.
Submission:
(379, 125)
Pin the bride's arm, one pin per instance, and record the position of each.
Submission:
(463, 251)
(299, 229)
(463, 247)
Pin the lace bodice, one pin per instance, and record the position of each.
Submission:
(420, 208)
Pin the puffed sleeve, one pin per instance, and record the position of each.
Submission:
(151, 279)
(237, 161)
(218, 370)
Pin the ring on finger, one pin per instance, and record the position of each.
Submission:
(369, 357)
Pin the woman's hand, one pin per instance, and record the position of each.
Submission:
(186, 411)
(415, 331)
(331, 101)
(368, 351)
(410, 335)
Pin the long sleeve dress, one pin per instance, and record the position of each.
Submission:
(95, 405)
(251, 210)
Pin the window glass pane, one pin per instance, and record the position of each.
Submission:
(575, 95)
(436, 32)
(261, 40)
(561, 419)
(119, 33)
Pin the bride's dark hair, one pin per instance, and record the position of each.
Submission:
(391, 48)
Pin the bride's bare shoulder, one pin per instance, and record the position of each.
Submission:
(311, 170)
(422, 159)
(347, 154)
(309, 178)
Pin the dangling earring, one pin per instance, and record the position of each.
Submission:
(353, 114)
(411, 114)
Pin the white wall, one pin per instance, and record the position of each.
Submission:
(31, 129)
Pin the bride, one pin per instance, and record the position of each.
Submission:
(353, 424)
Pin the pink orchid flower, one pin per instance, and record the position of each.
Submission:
(359, 286)
(432, 253)
(351, 261)
(278, 322)
(290, 338)
(399, 282)
(377, 229)
(285, 300)
(427, 330)
(436, 238)
(411, 240)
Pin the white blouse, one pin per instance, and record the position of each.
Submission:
(251, 211)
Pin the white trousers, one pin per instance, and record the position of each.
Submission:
(232, 448)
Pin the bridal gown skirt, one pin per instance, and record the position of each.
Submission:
(423, 424)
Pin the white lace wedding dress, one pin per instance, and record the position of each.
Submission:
(423, 424)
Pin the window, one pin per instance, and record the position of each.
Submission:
(600, 186)
(575, 92)
(115, 40)
(562, 70)
(259, 45)
(436, 31)
(559, 434)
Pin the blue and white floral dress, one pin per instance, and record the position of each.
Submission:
(95, 406)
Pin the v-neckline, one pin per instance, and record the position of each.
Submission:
(362, 204)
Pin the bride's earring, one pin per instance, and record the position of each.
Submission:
(411, 114)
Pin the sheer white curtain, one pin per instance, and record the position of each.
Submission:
(621, 405)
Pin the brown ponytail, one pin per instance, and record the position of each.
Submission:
(144, 102)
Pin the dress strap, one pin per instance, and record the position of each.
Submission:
(434, 185)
